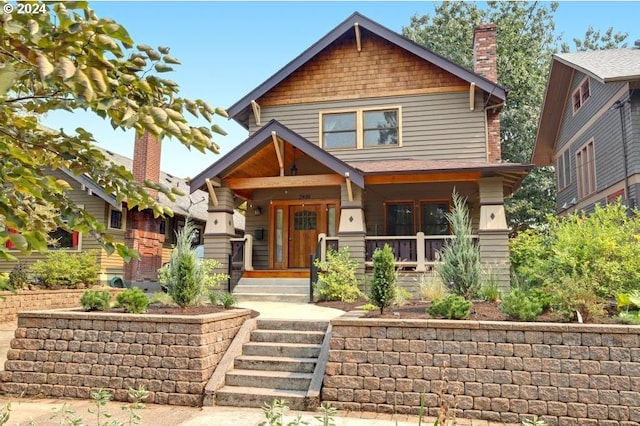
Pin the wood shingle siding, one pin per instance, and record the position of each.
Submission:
(434, 126)
(379, 69)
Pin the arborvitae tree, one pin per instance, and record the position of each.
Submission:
(383, 287)
(460, 266)
(185, 275)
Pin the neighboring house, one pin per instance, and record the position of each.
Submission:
(590, 128)
(360, 141)
(152, 237)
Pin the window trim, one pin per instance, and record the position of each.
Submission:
(581, 94)
(416, 212)
(359, 126)
(591, 172)
(563, 158)
(123, 219)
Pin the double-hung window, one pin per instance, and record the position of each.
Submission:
(581, 94)
(586, 170)
(361, 128)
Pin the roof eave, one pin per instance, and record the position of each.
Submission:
(94, 188)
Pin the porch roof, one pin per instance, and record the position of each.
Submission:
(513, 173)
(241, 109)
(263, 137)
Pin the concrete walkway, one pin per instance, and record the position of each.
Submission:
(39, 411)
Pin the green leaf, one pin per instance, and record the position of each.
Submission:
(170, 60)
(44, 66)
(218, 129)
(163, 68)
(8, 76)
(153, 55)
(164, 50)
(222, 112)
(66, 67)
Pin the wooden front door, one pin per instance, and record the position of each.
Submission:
(304, 225)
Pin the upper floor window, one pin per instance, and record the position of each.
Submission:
(586, 170)
(563, 170)
(360, 128)
(581, 94)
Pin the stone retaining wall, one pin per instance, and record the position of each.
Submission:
(567, 374)
(32, 300)
(69, 354)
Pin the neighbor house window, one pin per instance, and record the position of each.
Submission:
(581, 94)
(62, 239)
(613, 198)
(563, 170)
(586, 170)
(399, 218)
(116, 218)
(362, 128)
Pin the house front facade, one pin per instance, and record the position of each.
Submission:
(590, 128)
(358, 142)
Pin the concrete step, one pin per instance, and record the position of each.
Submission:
(255, 397)
(271, 289)
(270, 297)
(270, 324)
(287, 336)
(270, 363)
(269, 379)
(292, 350)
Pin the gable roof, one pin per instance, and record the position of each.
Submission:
(606, 66)
(240, 110)
(262, 137)
(96, 189)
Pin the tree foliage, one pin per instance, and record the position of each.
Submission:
(383, 286)
(595, 40)
(70, 59)
(525, 45)
(184, 274)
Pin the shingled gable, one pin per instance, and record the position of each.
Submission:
(241, 109)
(263, 137)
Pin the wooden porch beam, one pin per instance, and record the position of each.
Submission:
(276, 145)
(358, 40)
(349, 189)
(472, 96)
(256, 111)
(422, 178)
(212, 192)
(284, 181)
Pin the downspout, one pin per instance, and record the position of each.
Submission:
(619, 105)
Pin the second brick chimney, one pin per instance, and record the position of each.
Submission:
(485, 63)
(146, 160)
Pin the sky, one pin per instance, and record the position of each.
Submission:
(227, 49)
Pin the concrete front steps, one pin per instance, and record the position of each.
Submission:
(290, 290)
(278, 362)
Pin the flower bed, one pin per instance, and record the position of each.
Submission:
(70, 353)
(567, 374)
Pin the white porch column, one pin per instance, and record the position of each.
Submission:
(493, 233)
(352, 228)
(219, 228)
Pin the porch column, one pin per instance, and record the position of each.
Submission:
(493, 234)
(219, 229)
(352, 228)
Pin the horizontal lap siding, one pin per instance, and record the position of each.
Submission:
(633, 132)
(92, 204)
(434, 126)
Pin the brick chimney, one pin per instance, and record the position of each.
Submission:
(146, 160)
(485, 63)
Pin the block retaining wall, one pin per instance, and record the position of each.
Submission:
(566, 374)
(31, 300)
(69, 354)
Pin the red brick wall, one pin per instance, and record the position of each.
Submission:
(149, 246)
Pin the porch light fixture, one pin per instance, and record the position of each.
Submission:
(257, 211)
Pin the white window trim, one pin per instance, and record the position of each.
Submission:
(124, 219)
(360, 126)
(578, 90)
(567, 178)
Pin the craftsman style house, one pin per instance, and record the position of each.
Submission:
(590, 128)
(360, 141)
(153, 238)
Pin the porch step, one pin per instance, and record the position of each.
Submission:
(294, 290)
(277, 363)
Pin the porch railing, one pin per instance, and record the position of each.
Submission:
(421, 251)
(240, 259)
